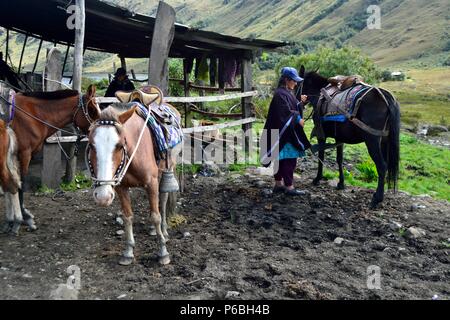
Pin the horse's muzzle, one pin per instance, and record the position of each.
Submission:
(104, 195)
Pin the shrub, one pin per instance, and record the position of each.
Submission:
(331, 62)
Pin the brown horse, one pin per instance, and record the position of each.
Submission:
(111, 140)
(37, 116)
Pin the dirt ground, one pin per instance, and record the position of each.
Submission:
(243, 239)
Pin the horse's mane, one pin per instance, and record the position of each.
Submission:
(53, 95)
(109, 114)
(317, 78)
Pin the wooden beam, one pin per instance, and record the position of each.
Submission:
(163, 34)
(216, 115)
(218, 126)
(191, 99)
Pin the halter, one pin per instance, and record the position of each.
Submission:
(121, 169)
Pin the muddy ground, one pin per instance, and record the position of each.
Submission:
(243, 239)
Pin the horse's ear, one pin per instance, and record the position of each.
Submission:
(123, 117)
(302, 71)
(92, 89)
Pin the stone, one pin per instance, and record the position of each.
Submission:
(260, 183)
(64, 292)
(414, 233)
(121, 296)
(395, 226)
(186, 234)
(119, 221)
(339, 241)
(435, 130)
(120, 232)
(232, 294)
(109, 214)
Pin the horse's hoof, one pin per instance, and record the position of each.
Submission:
(316, 182)
(340, 186)
(15, 229)
(374, 204)
(164, 260)
(31, 225)
(126, 261)
(152, 231)
(7, 227)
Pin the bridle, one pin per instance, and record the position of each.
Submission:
(121, 169)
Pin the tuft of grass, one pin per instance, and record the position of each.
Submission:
(367, 171)
(45, 190)
(80, 182)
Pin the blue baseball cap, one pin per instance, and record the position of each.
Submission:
(291, 73)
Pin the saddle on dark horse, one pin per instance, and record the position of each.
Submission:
(340, 102)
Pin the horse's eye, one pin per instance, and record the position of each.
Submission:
(119, 146)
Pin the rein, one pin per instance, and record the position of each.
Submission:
(124, 163)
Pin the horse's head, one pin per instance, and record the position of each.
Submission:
(312, 84)
(107, 153)
(88, 110)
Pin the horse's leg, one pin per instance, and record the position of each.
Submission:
(340, 160)
(374, 148)
(152, 192)
(319, 176)
(28, 218)
(9, 213)
(13, 213)
(125, 202)
(163, 198)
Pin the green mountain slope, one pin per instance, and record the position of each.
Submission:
(412, 31)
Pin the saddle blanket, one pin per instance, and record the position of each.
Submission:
(345, 99)
(165, 136)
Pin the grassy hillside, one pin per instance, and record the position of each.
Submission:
(411, 30)
(414, 33)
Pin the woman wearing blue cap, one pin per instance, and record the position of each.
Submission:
(286, 115)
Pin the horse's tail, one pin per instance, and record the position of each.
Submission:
(393, 147)
(9, 166)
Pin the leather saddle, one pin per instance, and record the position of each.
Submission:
(151, 97)
(345, 82)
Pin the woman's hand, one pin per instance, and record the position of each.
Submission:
(302, 122)
(304, 98)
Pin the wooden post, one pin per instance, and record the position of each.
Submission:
(80, 18)
(187, 106)
(21, 55)
(246, 103)
(51, 164)
(163, 34)
(123, 63)
(37, 56)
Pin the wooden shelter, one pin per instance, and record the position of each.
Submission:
(104, 27)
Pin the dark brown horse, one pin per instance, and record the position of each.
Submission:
(37, 116)
(378, 110)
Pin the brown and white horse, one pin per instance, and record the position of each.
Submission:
(112, 139)
(37, 116)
